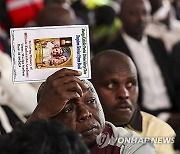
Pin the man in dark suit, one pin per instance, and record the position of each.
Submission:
(157, 94)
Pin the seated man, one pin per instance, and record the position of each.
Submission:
(74, 102)
(156, 87)
(21, 96)
(10, 116)
(114, 77)
(42, 137)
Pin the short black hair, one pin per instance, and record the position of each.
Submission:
(42, 137)
(104, 15)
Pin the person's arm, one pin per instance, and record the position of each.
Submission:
(147, 148)
(59, 88)
(21, 96)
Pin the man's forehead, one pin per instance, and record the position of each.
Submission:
(89, 92)
(89, 89)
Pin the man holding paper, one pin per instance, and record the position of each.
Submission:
(66, 98)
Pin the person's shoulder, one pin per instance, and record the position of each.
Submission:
(151, 120)
(119, 130)
(130, 141)
(4, 58)
(157, 130)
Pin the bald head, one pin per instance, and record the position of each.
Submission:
(109, 60)
(114, 77)
(56, 15)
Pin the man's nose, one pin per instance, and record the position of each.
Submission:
(122, 93)
(83, 113)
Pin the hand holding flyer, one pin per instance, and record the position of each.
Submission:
(38, 52)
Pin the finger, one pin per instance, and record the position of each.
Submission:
(71, 87)
(64, 72)
(67, 79)
(60, 82)
(83, 85)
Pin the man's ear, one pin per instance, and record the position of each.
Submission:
(40, 91)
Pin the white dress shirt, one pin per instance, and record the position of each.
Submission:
(154, 91)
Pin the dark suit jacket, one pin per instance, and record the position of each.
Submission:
(160, 54)
(175, 58)
(14, 120)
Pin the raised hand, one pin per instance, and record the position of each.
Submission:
(58, 89)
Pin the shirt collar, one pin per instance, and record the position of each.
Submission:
(136, 121)
(131, 40)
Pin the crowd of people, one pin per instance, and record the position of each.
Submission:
(134, 91)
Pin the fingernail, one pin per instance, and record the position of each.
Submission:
(79, 72)
(86, 85)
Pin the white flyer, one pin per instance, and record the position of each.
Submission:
(38, 52)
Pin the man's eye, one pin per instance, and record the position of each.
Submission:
(69, 109)
(129, 85)
(91, 101)
(110, 85)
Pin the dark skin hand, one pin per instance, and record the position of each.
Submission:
(60, 87)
